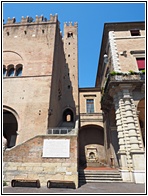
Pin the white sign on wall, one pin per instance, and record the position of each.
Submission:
(56, 148)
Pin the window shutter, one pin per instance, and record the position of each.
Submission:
(141, 63)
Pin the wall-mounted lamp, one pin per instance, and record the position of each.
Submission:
(105, 58)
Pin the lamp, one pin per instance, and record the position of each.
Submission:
(105, 58)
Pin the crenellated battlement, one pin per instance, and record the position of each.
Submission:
(75, 24)
(28, 19)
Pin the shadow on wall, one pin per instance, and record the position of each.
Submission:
(61, 93)
(91, 145)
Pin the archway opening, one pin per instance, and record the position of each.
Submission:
(141, 109)
(68, 115)
(91, 146)
(10, 127)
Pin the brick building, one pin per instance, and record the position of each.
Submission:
(121, 80)
(53, 128)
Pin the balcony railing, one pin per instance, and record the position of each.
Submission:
(91, 117)
(128, 77)
(124, 77)
(60, 130)
(119, 78)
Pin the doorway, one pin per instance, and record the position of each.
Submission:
(91, 146)
(10, 127)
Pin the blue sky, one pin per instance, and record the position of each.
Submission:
(90, 17)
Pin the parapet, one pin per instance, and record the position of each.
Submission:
(38, 19)
(11, 21)
(75, 24)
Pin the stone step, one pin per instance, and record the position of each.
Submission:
(99, 176)
(95, 181)
(99, 172)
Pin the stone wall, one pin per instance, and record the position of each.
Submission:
(26, 161)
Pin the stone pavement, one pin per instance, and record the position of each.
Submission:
(108, 188)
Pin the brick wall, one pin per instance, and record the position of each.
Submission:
(26, 161)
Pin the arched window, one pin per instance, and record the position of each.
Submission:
(4, 71)
(70, 34)
(10, 70)
(19, 69)
(68, 115)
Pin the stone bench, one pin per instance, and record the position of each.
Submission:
(60, 184)
(26, 181)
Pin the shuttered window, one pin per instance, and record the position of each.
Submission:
(141, 63)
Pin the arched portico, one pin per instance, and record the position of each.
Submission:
(91, 146)
(10, 127)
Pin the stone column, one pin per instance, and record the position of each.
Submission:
(123, 153)
(133, 139)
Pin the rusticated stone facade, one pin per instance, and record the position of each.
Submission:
(122, 81)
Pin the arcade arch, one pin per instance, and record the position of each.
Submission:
(91, 146)
(68, 115)
(10, 127)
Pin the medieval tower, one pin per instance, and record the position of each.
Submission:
(58, 131)
(47, 70)
(40, 70)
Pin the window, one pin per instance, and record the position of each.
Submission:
(70, 34)
(135, 32)
(4, 71)
(11, 72)
(90, 105)
(19, 71)
(68, 115)
(141, 63)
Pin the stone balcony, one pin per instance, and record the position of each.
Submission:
(124, 78)
(113, 81)
(128, 77)
(91, 118)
